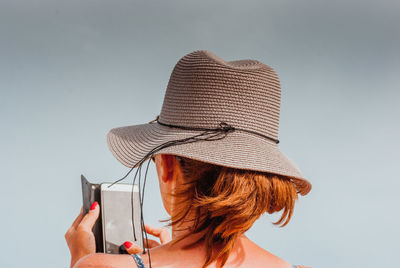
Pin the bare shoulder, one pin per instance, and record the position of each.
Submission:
(245, 254)
(102, 260)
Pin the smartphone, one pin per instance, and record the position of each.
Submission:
(115, 224)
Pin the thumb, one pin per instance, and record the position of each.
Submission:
(90, 218)
(132, 248)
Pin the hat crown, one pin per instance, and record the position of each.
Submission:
(205, 90)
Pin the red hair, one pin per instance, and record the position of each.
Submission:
(226, 202)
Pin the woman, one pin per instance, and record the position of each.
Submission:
(214, 145)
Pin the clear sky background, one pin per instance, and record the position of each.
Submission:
(72, 70)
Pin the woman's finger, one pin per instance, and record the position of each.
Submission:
(162, 233)
(152, 243)
(132, 248)
(78, 219)
(90, 218)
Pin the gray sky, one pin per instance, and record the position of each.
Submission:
(72, 70)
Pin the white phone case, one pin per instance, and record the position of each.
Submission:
(117, 210)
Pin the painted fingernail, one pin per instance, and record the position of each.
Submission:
(93, 206)
(127, 244)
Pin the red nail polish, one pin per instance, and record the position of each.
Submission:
(127, 244)
(93, 206)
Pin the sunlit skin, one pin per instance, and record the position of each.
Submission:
(81, 241)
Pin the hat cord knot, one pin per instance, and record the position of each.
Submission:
(226, 127)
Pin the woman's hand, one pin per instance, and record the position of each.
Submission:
(162, 234)
(79, 237)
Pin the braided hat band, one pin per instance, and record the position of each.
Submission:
(216, 111)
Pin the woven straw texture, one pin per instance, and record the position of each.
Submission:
(203, 91)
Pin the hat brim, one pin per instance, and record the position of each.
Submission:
(238, 149)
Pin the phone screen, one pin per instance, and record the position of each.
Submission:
(117, 209)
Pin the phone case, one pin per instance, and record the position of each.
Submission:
(91, 193)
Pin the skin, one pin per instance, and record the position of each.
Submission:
(81, 241)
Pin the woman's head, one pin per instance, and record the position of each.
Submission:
(222, 202)
(225, 113)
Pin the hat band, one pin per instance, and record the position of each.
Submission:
(222, 127)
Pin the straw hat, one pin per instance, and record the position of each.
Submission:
(216, 111)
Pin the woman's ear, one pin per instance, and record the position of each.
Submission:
(167, 167)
